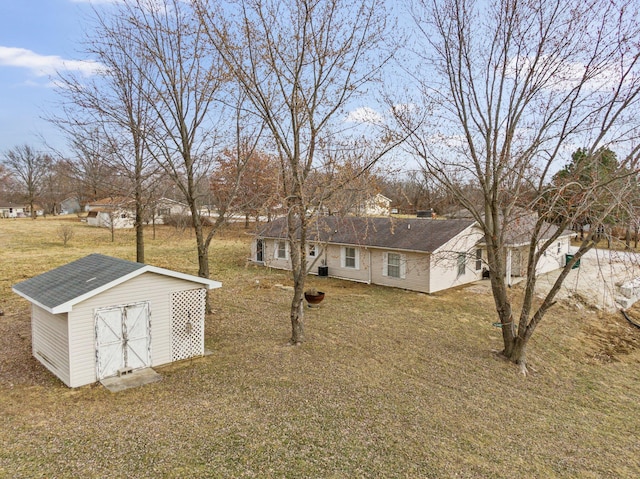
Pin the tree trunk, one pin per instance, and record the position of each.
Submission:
(297, 314)
(297, 238)
(139, 227)
(517, 353)
(203, 251)
(627, 237)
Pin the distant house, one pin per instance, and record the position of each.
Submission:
(13, 210)
(425, 255)
(70, 206)
(113, 212)
(99, 317)
(164, 207)
(119, 212)
(378, 205)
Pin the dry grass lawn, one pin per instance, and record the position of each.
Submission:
(388, 384)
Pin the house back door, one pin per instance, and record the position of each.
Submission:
(516, 263)
(122, 338)
(260, 251)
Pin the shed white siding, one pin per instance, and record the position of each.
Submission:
(49, 338)
(146, 287)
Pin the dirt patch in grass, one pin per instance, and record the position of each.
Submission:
(389, 383)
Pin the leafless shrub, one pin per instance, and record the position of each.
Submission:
(65, 233)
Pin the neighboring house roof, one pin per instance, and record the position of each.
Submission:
(169, 200)
(519, 230)
(115, 201)
(58, 290)
(415, 234)
(8, 204)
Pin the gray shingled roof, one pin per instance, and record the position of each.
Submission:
(60, 289)
(415, 234)
(74, 279)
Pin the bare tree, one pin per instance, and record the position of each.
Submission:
(29, 168)
(56, 186)
(89, 170)
(300, 63)
(6, 182)
(513, 88)
(186, 78)
(108, 116)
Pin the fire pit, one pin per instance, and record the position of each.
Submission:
(313, 297)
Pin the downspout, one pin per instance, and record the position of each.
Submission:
(508, 272)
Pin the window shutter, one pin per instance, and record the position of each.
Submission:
(385, 263)
(403, 266)
(342, 257)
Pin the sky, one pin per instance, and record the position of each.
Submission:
(37, 37)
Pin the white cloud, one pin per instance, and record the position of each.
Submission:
(566, 74)
(44, 65)
(365, 115)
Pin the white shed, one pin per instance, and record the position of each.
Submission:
(100, 316)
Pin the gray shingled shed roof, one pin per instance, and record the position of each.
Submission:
(415, 234)
(59, 289)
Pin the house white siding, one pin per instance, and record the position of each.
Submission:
(445, 262)
(49, 339)
(555, 256)
(334, 256)
(422, 272)
(390, 252)
(415, 268)
(150, 287)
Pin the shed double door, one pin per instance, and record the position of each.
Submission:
(122, 338)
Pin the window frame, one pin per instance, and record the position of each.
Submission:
(355, 257)
(479, 259)
(401, 266)
(284, 250)
(461, 265)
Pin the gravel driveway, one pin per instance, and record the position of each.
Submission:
(598, 278)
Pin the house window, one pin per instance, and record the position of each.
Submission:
(312, 250)
(478, 259)
(350, 257)
(395, 265)
(559, 247)
(164, 212)
(124, 215)
(462, 263)
(281, 249)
